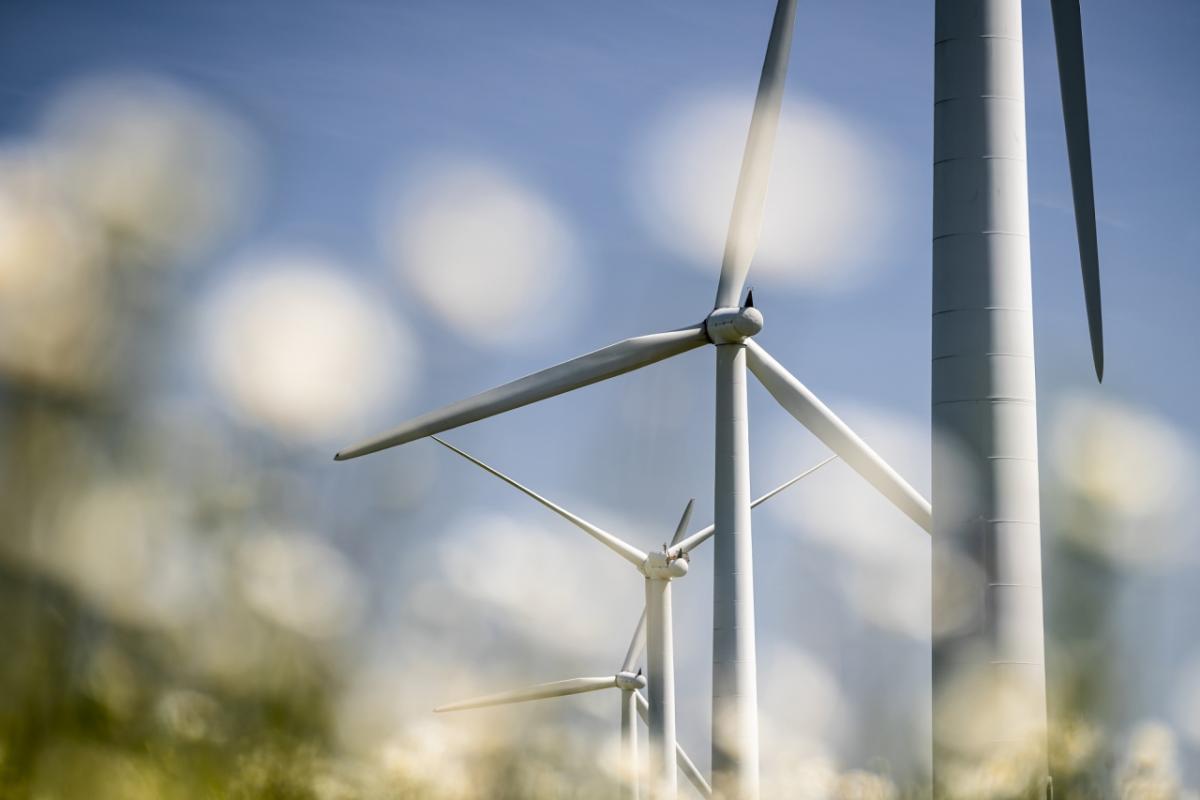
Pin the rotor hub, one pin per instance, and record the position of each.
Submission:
(630, 681)
(733, 325)
(665, 565)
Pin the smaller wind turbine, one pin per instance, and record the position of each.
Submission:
(660, 568)
(632, 702)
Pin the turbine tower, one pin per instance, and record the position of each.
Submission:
(985, 466)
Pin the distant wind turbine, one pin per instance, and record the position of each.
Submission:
(655, 628)
(633, 702)
(729, 326)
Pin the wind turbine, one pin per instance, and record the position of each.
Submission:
(729, 326)
(655, 628)
(983, 399)
(633, 702)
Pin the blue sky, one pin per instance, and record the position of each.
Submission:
(559, 93)
(562, 95)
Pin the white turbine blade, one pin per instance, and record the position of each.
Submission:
(788, 484)
(696, 539)
(686, 765)
(691, 772)
(837, 436)
(608, 362)
(538, 692)
(636, 645)
(618, 546)
(745, 223)
(701, 536)
(684, 521)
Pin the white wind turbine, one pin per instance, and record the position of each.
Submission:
(729, 326)
(633, 702)
(654, 633)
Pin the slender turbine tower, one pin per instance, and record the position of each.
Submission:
(655, 627)
(729, 326)
(983, 400)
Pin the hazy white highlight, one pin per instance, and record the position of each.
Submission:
(296, 346)
(484, 250)
(828, 207)
(886, 570)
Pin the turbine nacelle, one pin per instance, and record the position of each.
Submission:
(665, 565)
(733, 325)
(630, 681)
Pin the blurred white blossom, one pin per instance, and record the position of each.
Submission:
(296, 345)
(125, 171)
(990, 728)
(301, 583)
(1137, 472)
(124, 545)
(152, 163)
(56, 321)
(1150, 769)
(828, 210)
(485, 251)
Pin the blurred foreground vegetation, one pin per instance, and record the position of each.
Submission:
(146, 651)
(154, 642)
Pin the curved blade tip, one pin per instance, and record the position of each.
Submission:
(1096, 335)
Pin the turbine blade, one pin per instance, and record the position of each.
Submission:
(636, 645)
(691, 772)
(701, 536)
(1068, 40)
(618, 546)
(684, 521)
(538, 692)
(792, 482)
(837, 436)
(686, 765)
(607, 362)
(745, 223)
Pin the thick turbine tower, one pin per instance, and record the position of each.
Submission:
(989, 656)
